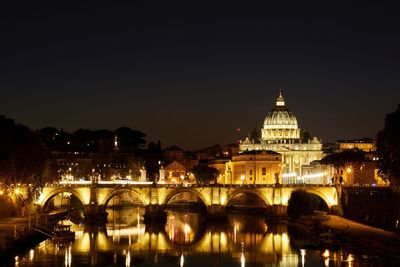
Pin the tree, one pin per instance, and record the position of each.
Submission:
(129, 140)
(22, 156)
(305, 136)
(388, 148)
(254, 134)
(205, 174)
(22, 161)
(339, 160)
(82, 140)
(302, 203)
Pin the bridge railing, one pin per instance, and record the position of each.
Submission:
(186, 185)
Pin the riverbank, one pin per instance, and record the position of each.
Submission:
(16, 237)
(372, 238)
(331, 230)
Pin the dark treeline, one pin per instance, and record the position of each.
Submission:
(22, 154)
(35, 157)
(378, 207)
(84, 140)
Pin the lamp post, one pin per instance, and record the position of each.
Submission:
(242, 178)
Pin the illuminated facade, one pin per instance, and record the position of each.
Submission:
(281, 133)
(175, 172)
(366, 145)
(254, 167)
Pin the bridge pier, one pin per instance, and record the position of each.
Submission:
(216, 212)
(276, 212)
(94, 213)
(155, 213)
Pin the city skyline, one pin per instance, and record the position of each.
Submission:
(191, 75)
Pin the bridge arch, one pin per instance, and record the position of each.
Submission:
(116, 192)
(50, 195)
(245, 191)
(328, 201)
(184, 190)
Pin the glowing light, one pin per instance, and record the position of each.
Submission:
(223, 199)
(68, 257)
(182, 261)
(31, 254)
(242, 260)
(348, 170)
(326, 254)
(303, 256)
(128, 259)
(314, 175)
(187, 229)
(350, 258)
(242, 178)
(1, 192)
(234, 233)
(289, 175)
(17, 191)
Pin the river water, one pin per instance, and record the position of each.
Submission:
(187, 240)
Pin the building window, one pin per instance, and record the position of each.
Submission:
(251, 172)
(264, 171)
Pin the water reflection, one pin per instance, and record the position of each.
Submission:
(185, 240)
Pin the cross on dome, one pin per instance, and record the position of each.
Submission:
(280, 101)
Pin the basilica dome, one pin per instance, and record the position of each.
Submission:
(280, 123)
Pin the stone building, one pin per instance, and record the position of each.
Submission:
(281, 133)
(254, 167)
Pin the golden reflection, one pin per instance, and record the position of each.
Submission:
(242, 260)
(182, 228)
(68, 256)
(246, 238)
(31, 254)
(182, 261)
(128, 259)
(303, 256)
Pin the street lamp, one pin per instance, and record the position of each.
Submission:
(348, 170)
(242, 178)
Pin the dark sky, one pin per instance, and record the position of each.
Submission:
(191, 75)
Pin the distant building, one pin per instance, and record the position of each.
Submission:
(175, 172)
(280, 133)
(365, 144)
(253, 167)
(314, 173)
(361, 173)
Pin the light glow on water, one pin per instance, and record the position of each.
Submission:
(245, 240)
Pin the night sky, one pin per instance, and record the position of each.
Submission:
(191, 75)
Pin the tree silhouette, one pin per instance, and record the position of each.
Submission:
(205, 174)
(22, 156)
(388, 148)
(129, 140)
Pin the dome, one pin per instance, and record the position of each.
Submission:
(280, 117)
(280, 124)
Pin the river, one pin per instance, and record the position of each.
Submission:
(187, 240)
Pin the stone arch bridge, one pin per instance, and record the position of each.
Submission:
(95, 197)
